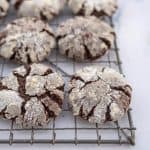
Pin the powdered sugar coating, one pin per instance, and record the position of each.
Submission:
(93, 7)
(10, 103)
(99, 94)
(4, 6)
(43, 9)
(84, 38)
(27, 98)
(26, 40)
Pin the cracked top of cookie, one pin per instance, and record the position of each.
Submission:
(99, 94)
(93, 7)
(4, 6)
(43, 9)
(31, 95)
(26, 40)
(84, 38)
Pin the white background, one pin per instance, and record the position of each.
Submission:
(133, 29)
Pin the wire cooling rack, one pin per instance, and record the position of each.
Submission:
(67, 129)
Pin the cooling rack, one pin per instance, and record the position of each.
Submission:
(67, 129)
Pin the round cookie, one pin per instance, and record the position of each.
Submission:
(26, 40)
(84, 38)
(99, 94)
(31, 95)
(4, 6)
(93, 7)
(45, 9)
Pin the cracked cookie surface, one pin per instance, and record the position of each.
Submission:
(93, 7)
(99, 94)
(84, 38)
(31, 95)
(4, 6)
(26, 40)
(45, 9)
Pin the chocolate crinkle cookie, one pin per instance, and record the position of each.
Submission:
(84, 38)
(43, 9)
(4, 6)
(26, 40)
(31, 95)
(99, 94)
(93, 7)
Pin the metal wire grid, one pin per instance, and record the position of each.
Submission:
(67, 129)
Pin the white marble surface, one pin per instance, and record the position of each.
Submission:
(133, 28)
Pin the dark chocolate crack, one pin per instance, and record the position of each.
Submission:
(1, 9)
(48, 111)
(23, 111)
(61, 37)
(107, 42)
(122, 89)
(48, 32)
(67, 52)
(21, 89)
(12, 57)
(2, 112)
(107, 115)
(91, 113)
(56, 98)
(81, 111)
(28, 59)
(90, 82)
(93, 13)
(43, 16)
(87, 53)
(98, 13)
(48, 71)
(85, 83)
(82, 9)
(77, 78)
(71, 89)
(18, 4)
(52, 96)
(60, 88)
(15, 52)
(103, 69)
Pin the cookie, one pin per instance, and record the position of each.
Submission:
(45, 9)
(99, 94)
(93, 7)
(26, 40)
(31, 95)
(4, 6)
(84, 38)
